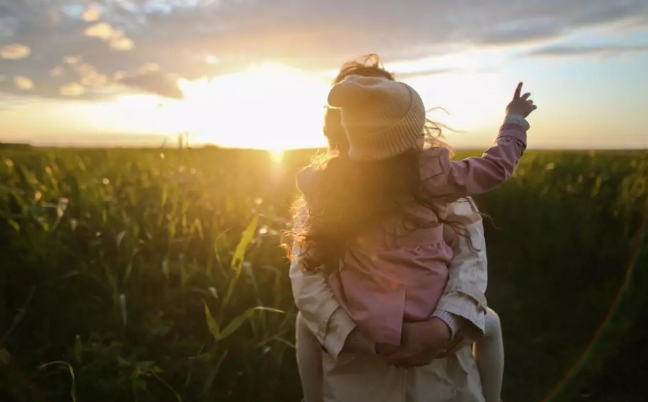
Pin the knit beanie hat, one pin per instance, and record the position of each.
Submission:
(382, 118)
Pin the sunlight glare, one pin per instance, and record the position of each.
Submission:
(276, 155)
(269, 106)
(274, 107)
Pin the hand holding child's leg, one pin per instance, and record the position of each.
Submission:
(385, 349)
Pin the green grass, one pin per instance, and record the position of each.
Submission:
(155, 275)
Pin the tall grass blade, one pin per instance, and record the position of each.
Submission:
(238, 321)
(211, 322)
(239, 256)
(73, 392)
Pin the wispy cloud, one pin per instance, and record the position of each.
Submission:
(576, 51)
(156, 83)
(426, 72)
(109, 42)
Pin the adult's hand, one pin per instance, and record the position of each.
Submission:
(421, 343)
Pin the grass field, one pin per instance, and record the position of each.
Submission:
(133, 275)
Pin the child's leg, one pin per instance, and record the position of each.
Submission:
(489, 355)
(309, 362)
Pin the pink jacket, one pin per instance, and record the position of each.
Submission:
(392, 274)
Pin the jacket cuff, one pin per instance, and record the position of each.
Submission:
(339, 328)
(358, 342)
(455, 303)
(452, 321)
(517, 119)
(515, 131)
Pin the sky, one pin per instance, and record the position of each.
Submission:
(255, 73)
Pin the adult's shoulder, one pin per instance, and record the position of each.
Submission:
(464, 210)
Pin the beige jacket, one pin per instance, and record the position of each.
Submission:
(354, 377)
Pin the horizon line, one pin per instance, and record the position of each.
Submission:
(8, 145)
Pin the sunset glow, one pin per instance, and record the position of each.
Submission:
(274, 107)
(268, 106)
(256, 74)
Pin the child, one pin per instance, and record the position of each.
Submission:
(377, 216)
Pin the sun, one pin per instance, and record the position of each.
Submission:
(268, 106)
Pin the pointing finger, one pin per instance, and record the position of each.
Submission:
(518, 91)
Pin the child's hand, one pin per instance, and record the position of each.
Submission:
(521, 105)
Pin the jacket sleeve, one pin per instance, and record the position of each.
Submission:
(468, 275)
(444, 177)
(321, 312)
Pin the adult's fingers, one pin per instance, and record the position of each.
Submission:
(395, 358)
(410, 362)
(400, 359)
(403, 364)
(526, 96)
(518, 91)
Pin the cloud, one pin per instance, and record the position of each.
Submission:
(194, 38)
(72, 89)
(23, 83)
(575, 51)
(156, 83)
(106, 33)
(14, 52)
(426, 72)
(92, 13)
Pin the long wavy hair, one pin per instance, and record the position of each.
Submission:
(350, 196)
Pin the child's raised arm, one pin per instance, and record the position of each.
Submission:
(442, 177)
